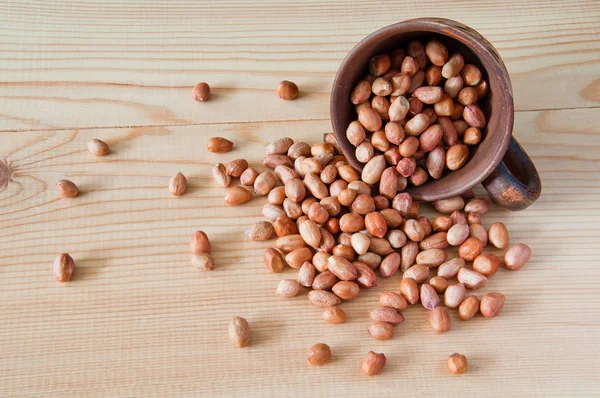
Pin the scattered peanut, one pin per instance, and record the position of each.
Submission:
(98, 147)
(239, 332)
(63, 267)
(201, 92)
(373, 363)
(287, 90)
(67, 189)
(457, 364)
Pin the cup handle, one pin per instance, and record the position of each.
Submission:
(515, 183)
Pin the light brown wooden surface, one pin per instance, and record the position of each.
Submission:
(138, 320)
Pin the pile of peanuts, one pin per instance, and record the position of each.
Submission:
(338, 227)
(432, 130)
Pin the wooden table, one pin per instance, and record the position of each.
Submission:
(138, 320)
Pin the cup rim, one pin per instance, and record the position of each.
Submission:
(464, 179)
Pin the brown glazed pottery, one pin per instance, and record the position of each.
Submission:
(498, 162)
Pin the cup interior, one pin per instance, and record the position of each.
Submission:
(497, 105)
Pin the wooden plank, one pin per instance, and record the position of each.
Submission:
(138, 320)
(91, 64)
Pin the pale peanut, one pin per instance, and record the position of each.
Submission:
(387, 315)
(333, 315)
(98, 147)
(418, 272)
(279, 147)
(457, 234)
(429, 297)
(450, 268)
(323, 298)
(341, 268)
(239, 332)
(287, 288)
(471, 279)
(431, 257)
(220, 175)
(454, 295)
(498, 235)
(203, 261)
(517, 256)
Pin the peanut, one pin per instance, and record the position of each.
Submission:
(260, 231)
(471, 279)
(373, 363)
(280, 146)
(429, 297)
(203, 261)
(439, 284)
(439, 319)
(409, 290)
(239, 332)
(178, 185)
(454, 295)
(457, 364)
(287, 90)
(486, 264)
(98, 147)
(468, 308)
(346, 290)
(319, 354)
(387, 315)
(517, 256)
(273, 260)
(237, 195)
(492, 304)
(220, 175)
(63, 267)
(381, 330)
(498, 235)
(219, 145)
(323, 298)
(325, 281)
(201, 92)
(287, 288)
(470, 248)
(67, 189)
(199, 243)
(333, 315)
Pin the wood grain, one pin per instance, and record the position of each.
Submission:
(132, 64)
(138, 320)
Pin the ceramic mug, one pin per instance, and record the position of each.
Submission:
(498, 162)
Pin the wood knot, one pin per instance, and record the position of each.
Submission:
(5, 173)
